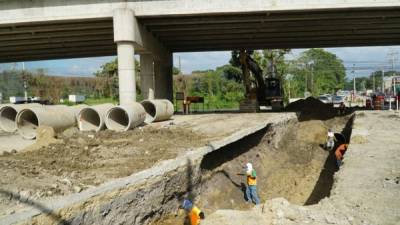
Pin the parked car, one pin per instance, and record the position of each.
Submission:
(325, 99)
(337, 100)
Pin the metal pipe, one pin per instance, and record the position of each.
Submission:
(92, 118)
(126, 117)
(157, 110)
(8, 115)
(58, 117)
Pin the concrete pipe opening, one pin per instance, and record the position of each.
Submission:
(27, 123)
(118, 119)
(158, 110)
(125, 117)
(7, 118)
(89, 120)
(151, 111)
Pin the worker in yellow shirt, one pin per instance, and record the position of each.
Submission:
(251, 189)
(194, 213)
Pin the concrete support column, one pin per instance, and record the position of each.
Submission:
(147, 75)
(163, 78)
(124, 36)
(126, 73)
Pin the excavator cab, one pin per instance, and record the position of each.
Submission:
(268, 90)
(273, 87)
(273, 94)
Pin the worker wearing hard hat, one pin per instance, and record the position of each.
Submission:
(194, 213)
(251, 189)
(339, 154)
(330, 140)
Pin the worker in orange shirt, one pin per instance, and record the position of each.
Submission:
(339, 154)
(194, 213)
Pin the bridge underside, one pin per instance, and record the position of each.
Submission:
(184, 33)
(356, 27)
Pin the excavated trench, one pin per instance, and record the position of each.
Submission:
(290, 163)
(288, 157)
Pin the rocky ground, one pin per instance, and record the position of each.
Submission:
(366, 190)
(76, 161)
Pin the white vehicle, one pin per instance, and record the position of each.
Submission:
(16, 99)
(325, 99)
(337, 101)
(76, 98)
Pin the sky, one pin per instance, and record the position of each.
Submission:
(365, 59)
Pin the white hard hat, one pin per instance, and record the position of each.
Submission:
(249, 166)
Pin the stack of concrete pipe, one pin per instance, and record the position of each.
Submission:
(8, 115)
(93, 118)
(157, 110)
(125, 117)
(26, 118)
(58, 117)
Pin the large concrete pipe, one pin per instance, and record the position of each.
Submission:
(58, 117)
(123, 118)
(92, 118)
(158, 110)
(8, 115)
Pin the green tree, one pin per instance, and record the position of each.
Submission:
(176, 71)
(230, 72)
(317, 71)
(108, 78)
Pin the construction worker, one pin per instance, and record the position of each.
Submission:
(339, 154)
(194, 213)
(330, 140)
(251, 189)
(342, 109)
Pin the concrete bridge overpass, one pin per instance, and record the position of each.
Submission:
(54, 29)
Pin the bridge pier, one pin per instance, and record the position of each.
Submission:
(147, 75)
(156, 62)
(124, 37)
(163, 78)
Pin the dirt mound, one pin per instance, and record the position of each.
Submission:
(45, 137)
(311, 108)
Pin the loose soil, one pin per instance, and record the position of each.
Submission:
(311, 108)
(84, 160)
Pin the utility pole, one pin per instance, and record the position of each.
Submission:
(373, 82)
(306, 78)
(312, 79)
(180, 67)
(354, 83)
(392, 55)
(25, 83)
(289, 77)
(383, 83)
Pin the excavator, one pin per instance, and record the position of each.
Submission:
(262, 90)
